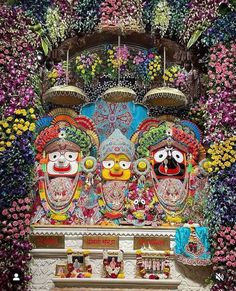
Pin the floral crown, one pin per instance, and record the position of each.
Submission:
(78, 130)
(167, 133)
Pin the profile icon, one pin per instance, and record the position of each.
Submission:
(16, 277)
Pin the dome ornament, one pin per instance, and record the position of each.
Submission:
(65, 94)
(165, 96)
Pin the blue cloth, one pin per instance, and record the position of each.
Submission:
(182, 239)
(109, 116)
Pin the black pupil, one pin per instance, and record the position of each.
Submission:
(161, 155)
(177, 156)
(54, 156)
(70, 156)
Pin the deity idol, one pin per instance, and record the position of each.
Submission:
(174, 150)
(64, 140)
(116, 155)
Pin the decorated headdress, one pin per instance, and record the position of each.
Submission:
(185, 135)
(117, 143)
(65, 126)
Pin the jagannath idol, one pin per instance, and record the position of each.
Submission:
(63, 143)
(174, 150)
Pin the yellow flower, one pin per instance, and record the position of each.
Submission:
(19, 132)
(32, 127)
(2, 149)
(22, 121)
(31, 110)
(11, 137)
(18, 111)
(8, 131)
(83, 71)
(27, 123)
(174, 70)
(20, 126)
(8, 144)
(25, 128)
(5, 124)
(23, 112)
(9, 118)
(33, 116)
(227, 164)
(171, 79)
(165, 78)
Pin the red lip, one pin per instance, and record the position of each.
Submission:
(174, 171)
(57, 169)
(116, 175)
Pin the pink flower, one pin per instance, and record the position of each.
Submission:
(15, 223)
(16, 235)
(21, 201)
(5, 212)
(22, 232)
(15, 216)
(27, 222)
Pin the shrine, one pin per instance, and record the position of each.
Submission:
(117, 145)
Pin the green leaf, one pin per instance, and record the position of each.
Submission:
(195, 36)
(44, 44)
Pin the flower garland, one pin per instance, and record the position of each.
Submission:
(57, 75)
(16, 125)
(88, 66)
(222, 30)
(222, 155)
(15, 245)
(221, 85)
(179, 11)
(121, 14)
(224, 256)
(200, 16)
(161, 17)
(57, 25)
(148, 65)
(221, 202)
(117, 57)
(172, 73)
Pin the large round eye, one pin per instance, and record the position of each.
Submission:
(108, 164)
(124, 165)
(178, 156)
(71, 156)
(143, 201)
(54, 156)
(136, 201)
(160, 156)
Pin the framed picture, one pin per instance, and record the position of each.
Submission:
(78, 262)
(61, 270)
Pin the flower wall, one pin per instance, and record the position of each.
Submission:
(29, 28)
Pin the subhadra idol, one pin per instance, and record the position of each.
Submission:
(174, 150)
(115, 155)
(64, 140)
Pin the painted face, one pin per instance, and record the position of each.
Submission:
(116, 167)
(62, 163)
(169, 162)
